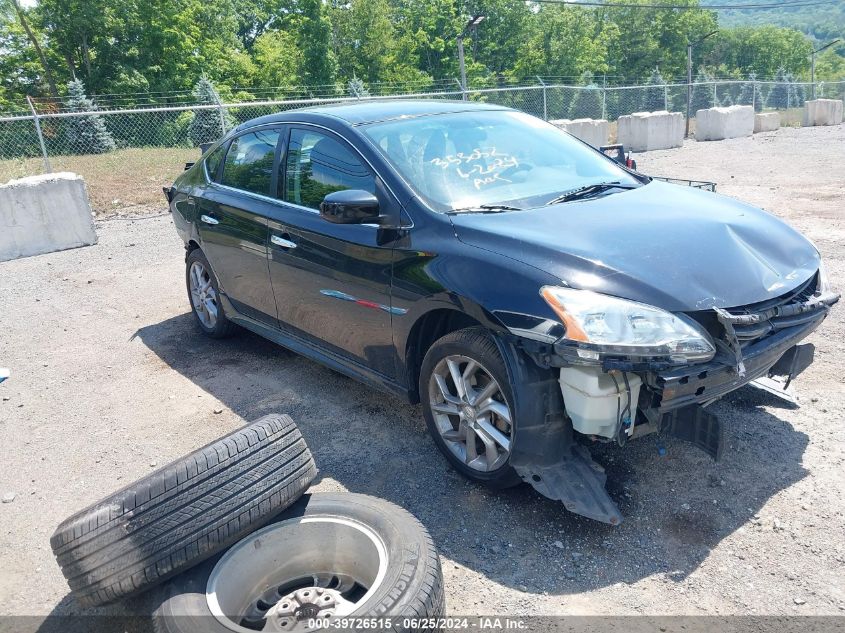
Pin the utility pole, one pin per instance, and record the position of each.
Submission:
(474, 22)
(813, 63)
(463, 66)
(689, 76)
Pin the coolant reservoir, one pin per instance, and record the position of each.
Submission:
(594, 401)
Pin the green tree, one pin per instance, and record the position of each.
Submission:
(314, 28)
(796, 91)
(654, 99)
(782, 94)
(427, 34)
(702, 92)
(500, 37)
(646, 38)
(760, 49)
(564, 41)
(587, 102)
(357, 88)
(206, 125)
(278, 61)
(87, 133)
(14, 8)
(365, 39)
(750, 93)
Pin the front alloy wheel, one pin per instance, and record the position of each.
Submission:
(470, 412)
(466, 398)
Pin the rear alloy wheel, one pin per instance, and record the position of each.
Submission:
(204, 294)
(466, 397)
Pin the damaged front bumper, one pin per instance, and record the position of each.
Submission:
(659, 398)
(701, 384)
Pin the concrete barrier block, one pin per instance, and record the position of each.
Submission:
(716, 124)
(766, 122)
(822, 112)
(595, 132)
(643, 131)
(42, 214)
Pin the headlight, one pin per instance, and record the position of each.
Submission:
(824, 286)
(619, 326)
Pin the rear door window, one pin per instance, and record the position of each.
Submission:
(249, 162)
(212, 163)
(318, 164)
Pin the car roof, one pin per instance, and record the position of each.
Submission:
(371, 111)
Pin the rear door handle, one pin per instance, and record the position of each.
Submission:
(209, 220)
(282, 242)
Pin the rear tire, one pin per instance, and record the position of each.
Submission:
(474, 436)
(204, 296)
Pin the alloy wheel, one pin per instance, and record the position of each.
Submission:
(203, 295)
(471, 413)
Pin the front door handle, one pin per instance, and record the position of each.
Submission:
(282, 242)
(209, 220)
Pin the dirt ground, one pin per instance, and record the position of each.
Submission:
(110, 378)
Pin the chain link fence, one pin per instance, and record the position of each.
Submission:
(70, 140)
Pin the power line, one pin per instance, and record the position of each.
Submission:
(687, 7)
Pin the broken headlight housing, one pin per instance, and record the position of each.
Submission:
(824, 286)
(600, 323)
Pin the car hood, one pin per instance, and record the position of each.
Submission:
(675, 247)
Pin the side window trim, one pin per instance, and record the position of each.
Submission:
(280, 174)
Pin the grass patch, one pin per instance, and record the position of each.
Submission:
(119, 179)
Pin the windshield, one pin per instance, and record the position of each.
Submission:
(469, 159)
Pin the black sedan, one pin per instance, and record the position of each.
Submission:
(531, 293)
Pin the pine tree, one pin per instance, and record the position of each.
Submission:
(750, 93)
(587, 100)
(702, 92)
(654, 99)
(357, 88)
(206, 125)
(796, 91)
(779, 96)
(87, 133)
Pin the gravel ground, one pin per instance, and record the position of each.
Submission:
(110, 379)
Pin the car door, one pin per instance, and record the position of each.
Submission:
(331, 281)
(232, 223)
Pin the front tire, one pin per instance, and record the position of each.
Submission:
(204, 296)
(467, 402)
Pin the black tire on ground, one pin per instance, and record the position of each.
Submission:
(223, 327)
(412, 585)
(183, 513)
(475, 343)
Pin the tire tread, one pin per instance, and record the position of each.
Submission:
(184, 512)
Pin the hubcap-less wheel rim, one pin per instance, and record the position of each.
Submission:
(203, 295)
(282, 577)
(471, 413)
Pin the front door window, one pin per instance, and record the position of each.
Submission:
(317, 165)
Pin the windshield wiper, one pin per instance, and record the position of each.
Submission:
(588, 190)
(485, 208)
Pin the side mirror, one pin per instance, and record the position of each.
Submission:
(351, 206)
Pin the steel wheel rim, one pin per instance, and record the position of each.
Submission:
(279, 578)
(203, 295)
(471, 413)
